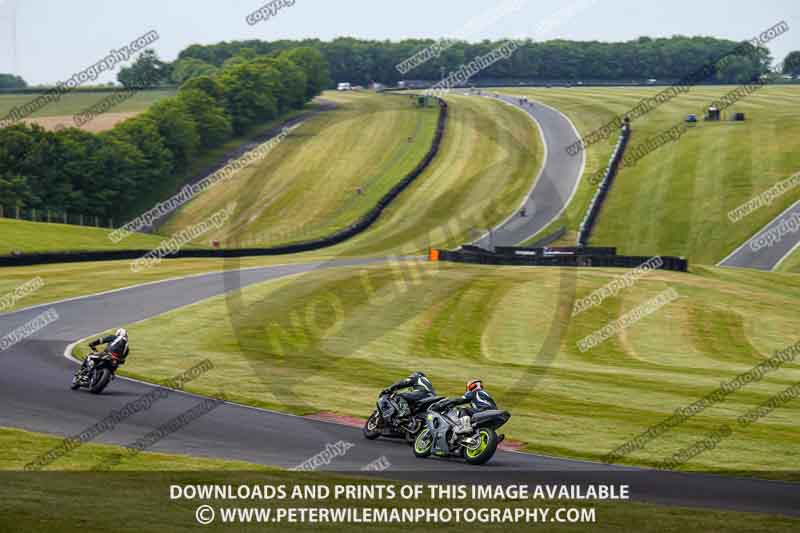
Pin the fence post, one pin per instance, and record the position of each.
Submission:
(80, 218)
(16, 212)
(48, 214)
(33, 215)
(1, 211)
(66, 218)
(96, 221)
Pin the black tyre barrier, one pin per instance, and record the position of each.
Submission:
(559, 257)
(541, 250)
(342, 235)
(596, 204)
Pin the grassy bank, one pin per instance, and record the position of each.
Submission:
(325, 175)
(28, 237)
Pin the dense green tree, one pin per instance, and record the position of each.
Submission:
(315, 67)
(143, 133)
(791, 65)
(14, 192)
(177, 128)
(189, 68)
(213, 125)
(248, 98)
(290, 91)
(148, 70)
(209, 85)
(10, 81)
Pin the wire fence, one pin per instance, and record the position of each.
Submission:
(55, 216)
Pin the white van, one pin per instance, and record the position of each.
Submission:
(343, 87)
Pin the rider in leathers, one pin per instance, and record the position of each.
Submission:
(419, 387)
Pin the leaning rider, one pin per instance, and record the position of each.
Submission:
(419, 386)
(478, 399)
(116, 345)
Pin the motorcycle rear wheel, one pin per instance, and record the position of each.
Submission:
(423, 443)
(100, 381)
(485, 448)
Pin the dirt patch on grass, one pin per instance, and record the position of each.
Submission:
(103, 122)
(352, 421)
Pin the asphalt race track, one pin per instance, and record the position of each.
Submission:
(772, 244)
(35, 395)
(554, 186)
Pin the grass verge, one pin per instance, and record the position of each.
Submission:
(137, 498)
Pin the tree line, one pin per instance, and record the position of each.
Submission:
(10, 81)
(363, 61)
(100, 174)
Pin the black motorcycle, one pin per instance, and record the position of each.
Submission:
(96, 372)
(406, 421)
(439, 437)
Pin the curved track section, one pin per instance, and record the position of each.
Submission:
(555, 184)
(34, 395)
(770, 245)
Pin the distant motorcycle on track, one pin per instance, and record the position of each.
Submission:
(96, 372)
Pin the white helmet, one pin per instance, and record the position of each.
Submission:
(122, 333)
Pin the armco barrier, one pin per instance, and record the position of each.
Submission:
(304, 246)
(539, 250)
(592, 213)
(560, 259)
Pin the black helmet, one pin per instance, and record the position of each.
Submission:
(417, 374)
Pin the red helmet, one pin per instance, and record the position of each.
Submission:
(474, 384)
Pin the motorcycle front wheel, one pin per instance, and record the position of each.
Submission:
(423, 443)
(76, 383)
(371, 430)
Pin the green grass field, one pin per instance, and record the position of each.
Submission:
(56, 501)
(676, 200)
(78, 101)
(30, 237)
(330, 341)
(487, 163)
(309, 186)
